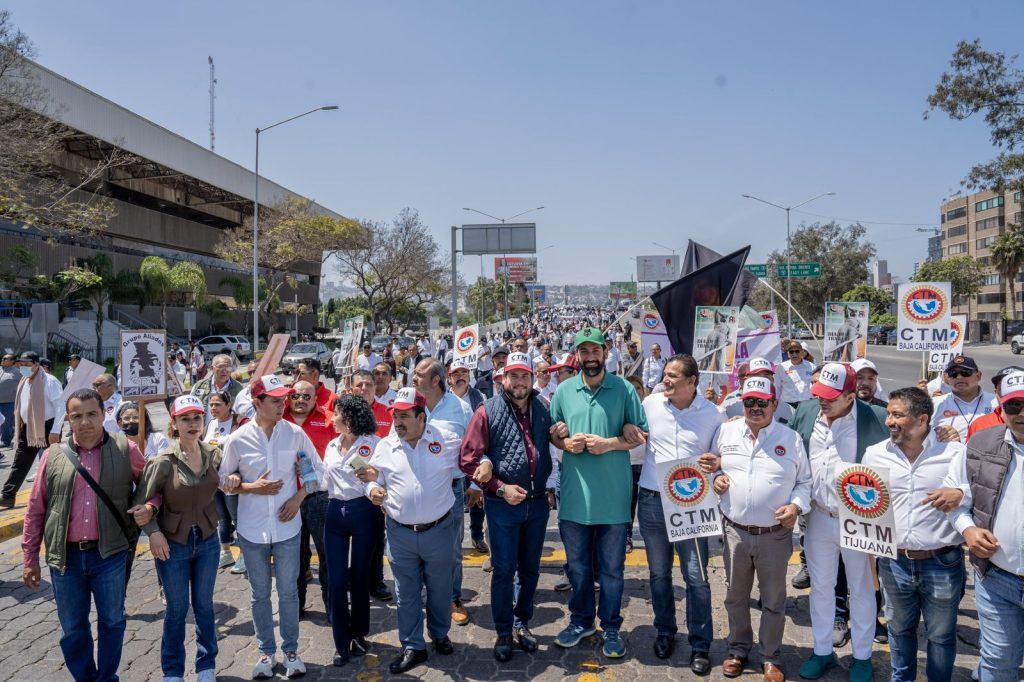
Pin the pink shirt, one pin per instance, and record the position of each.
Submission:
(83, 522)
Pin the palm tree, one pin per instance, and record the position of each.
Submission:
(1008, 259)
(161, 280)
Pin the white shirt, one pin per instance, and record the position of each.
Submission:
(249, 453)
(110, 407)
(388, 399)
(830, 447)
(547, 391)
(341, 480)
(156, 443)
(53, 406)
(1008, 526)
(425, 347)
(793, 382)
(243, 406)
(937, 384)
(676, 434)
(918, 526)
(218, 431)
(949, 409)
(733, 407)
(367, 362)
(764, 474)
(418, 480)
(611, 363)
(653, 368)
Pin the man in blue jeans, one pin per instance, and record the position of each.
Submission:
(598, 419)
(683, 425)
(510, 437)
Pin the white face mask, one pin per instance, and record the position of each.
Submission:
(25, 371)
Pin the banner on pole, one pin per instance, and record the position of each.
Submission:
(688, 501)
(143, 360)
(467, 346)
(714, 338)
(938, 359)
(653, 332)
(846, 331)
(924, 316)
(866, 519)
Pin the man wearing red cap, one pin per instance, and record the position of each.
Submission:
(764, 485)
(733, 403)
(836, 429)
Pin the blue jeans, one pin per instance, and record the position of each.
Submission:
(1000, 601)
(89, 577)
(286, 570)
(693, 564)
(931, 588)
(458, 535)
(580, 542)
(350, 525)
(519, 530)
(227, 510)
(188, 576)
(419, 559)
(7, 432)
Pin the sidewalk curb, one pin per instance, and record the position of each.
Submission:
(12, 521)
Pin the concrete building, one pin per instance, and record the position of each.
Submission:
(174, 199)
(970, 225)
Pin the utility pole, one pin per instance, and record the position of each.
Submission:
(213, 96)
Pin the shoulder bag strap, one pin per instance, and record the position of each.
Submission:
(100, 492)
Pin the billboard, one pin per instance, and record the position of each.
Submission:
(622, 290)
(538, 293)
(520, 270)
(657, 268)
(480, 240)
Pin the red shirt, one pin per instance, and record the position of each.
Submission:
(318, 427)
(994, 418)
(325, 398)
(384, 418)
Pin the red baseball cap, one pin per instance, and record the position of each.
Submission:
(518, 361)
(1011, 387)
(271, 385)
(834, 380)
(408, 398)
(184, 404)
(758, 387)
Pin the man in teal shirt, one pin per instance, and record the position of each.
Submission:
(598, 418)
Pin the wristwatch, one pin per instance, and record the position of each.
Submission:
(501, 491)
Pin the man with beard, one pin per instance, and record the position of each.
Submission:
(867, 382)
(599, 419)
(966, 401)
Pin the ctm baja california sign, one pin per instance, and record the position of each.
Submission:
(866, 519)
(924, 316)
(688, 501)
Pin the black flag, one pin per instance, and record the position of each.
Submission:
(697, 256)
(713, 284)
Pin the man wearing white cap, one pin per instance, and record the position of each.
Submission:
(259, 463)
(793, 382)
(867, 382)
(764, 485)
(413, 468)
(836, 430)
(733, 403)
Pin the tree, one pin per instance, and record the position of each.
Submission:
(395, 264)
(292, 232)
(1008, 259)
(161, 281)
(963, 273)
(986, 82)
(482, 298)
(879, 300)
(123, 286)
(354, 306)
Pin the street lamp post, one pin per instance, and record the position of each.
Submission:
(256, 230)
(789, 251)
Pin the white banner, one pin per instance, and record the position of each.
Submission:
(846, 331)
(143, 363)
(938, 359)
(714, 338)
(924, 316)
(866, 519)
(763, 342)
(687, 500)
(467, 345)
(653, 332)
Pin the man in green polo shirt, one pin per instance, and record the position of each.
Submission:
(598, 418)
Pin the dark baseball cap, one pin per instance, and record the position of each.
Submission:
(964, 361)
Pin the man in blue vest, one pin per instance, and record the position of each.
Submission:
(508, 441)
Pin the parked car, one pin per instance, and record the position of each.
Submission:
(890, 337)
(308, 349)
(881, 335)
(215, 345)
(379, 342)
(1016, 344)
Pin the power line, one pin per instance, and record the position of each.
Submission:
(866, 222)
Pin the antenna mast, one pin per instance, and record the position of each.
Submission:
(213, 96)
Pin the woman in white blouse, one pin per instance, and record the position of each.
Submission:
(352, 524)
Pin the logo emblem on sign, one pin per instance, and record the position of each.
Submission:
(780, 451)
(685, 485)
(466, 341)
(925, 304)
(434, 448)
(364, 450)
(955, 332)
(650, 321)
(863, 492)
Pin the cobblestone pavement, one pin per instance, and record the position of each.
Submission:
(29, 632)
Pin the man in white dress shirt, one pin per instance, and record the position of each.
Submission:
(927, 576)
(764, 486)
(367, 359)
(414, 469)
(991, 520)
(259, 463)
(793, 382)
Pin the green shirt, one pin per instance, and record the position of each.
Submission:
(596, 489)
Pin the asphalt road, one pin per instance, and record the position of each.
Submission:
(899, 369)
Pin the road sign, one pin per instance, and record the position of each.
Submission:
(479, 240)
(619, 290)
(757, 269)
(799, 270)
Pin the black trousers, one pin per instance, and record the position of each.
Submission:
(377, 553)
(314, 517)
(24, 456)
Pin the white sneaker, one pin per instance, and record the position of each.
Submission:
(293, 665)
(264, 668)
(208, 675)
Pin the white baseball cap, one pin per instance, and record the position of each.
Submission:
(863, 363)
(758, 387)
(834, 380)
(187, 403)
(758, 365)
(408, 398)
(518, 361)
(1011, 387)
(271, 385)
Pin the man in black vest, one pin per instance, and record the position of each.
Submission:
(510, 436)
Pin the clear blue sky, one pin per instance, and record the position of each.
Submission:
(632, 122)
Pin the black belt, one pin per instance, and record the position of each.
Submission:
(920, 554)
(753, 530)
(84, 545)
(420, 527)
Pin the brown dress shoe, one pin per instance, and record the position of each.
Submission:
(773, 673)
(460, 616)
(733, 666)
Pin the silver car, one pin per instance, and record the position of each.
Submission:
(308, 349)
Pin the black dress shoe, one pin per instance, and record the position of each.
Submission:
(340, 658)
(663, 645)
(525, 639)
(481, 546)
(407, 660)
(503, 648)
(700, 664)
(381, 592)
(358, 646)
(444, 646)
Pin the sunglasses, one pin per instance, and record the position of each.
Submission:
(962, 372)
(1013, 407)
(301, 396)
(792, 351)
(755, 402)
